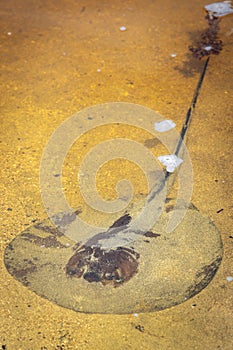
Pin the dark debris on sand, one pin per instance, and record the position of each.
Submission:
(209, 43)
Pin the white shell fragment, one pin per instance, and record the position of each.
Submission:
(170, 161)
(229, 278)
(164, 125)
(219, 9)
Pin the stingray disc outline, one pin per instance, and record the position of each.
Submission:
(172, 267)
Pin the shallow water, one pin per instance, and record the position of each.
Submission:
(57, 59)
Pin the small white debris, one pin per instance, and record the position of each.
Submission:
(229, 278)
(164, 125)
(135, 315)
(67, 244)
(99, 70)
(9, 33)
(170, 161)
(173, 55)
(219, 9)
(122, 28)
(208, 48)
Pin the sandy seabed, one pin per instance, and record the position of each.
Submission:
(58, 57)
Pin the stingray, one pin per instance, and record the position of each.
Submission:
(158, 253)
(130, 267)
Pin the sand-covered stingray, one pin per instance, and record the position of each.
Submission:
(139, 263)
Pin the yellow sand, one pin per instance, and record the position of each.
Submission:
(58, 57)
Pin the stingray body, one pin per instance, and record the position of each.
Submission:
(155, 271)
(126, 268)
